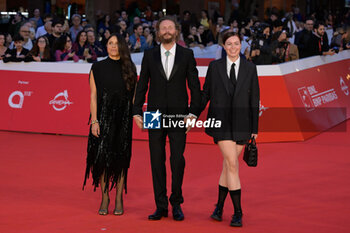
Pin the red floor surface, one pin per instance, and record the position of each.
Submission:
(297, 187)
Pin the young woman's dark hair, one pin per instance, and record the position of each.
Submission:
(60, 43)
(78, 36)
(35, 50)
(128, 67)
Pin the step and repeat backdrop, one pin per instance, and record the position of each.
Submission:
(299, 99)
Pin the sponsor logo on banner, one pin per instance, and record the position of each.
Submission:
(311, 98)
(60, 102)
(306, 99)
(13, 103)
(262, 109)
(344, 87)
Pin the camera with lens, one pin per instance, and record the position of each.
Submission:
(335, 49)
(258, 36)
(283, 44)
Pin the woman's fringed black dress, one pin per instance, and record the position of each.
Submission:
(110, 153)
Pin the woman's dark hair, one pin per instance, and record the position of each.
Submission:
(232, 20)
(78, 37)
(136, 26)
(60, 43)
(35, 50)
(128, 67)
(206, 13)
(3, 34)
(228, 35)
(104, 18)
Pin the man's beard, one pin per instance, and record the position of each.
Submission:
(167, 40)
(319, 34)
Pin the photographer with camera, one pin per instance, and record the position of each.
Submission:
(318, 43)
(260, 50)
(282, 49)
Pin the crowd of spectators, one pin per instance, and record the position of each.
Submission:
(280, 38)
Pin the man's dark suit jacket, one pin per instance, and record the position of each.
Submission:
(315, 47)
(169, 96)
(238, 111)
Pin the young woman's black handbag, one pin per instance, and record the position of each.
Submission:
(251, 153)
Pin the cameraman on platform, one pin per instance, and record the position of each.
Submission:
(260, 50)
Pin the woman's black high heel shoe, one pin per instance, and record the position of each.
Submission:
(103, 211)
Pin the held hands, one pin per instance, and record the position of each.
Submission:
(137, 45)
(71, 54)
(139, 121)
(37, 58)
(95, 129)
(188, 118)
(330, 52)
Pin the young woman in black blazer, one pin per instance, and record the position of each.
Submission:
(232, 87)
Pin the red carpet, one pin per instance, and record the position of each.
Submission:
(297, 187)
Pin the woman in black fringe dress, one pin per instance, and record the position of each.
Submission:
(112, 84)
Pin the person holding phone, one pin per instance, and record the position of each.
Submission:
(137, 40)
(63, 49)
(82, 49)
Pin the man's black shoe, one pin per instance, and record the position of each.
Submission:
(158, 214)
(178, 215)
